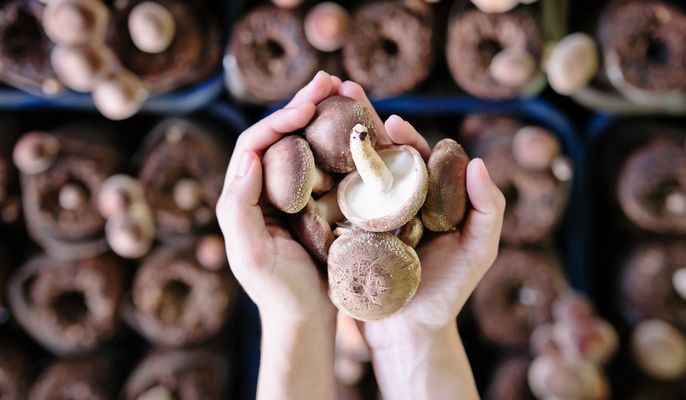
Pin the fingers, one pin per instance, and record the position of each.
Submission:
(355, 91)
(481, 232)
(269, 130)
(320, 87)
(402, 132)
(240, 216)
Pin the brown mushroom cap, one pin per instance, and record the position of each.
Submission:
(322, 182)
(312, 231)
(387, 190)
(329, 132)
(372, 275)
(411, 233)
(131, 234)
(535, 148)
(75, 21)
(446, 199)
(118, 193)
(288, 174)
(659, 349)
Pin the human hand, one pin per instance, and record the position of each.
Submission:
(275, 270)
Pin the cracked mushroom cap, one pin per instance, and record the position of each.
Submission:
(387, 190)
(289, 174)
(372, 275)
(329, 132)
(446, 199)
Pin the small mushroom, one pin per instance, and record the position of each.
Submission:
(572, 63)
(513, 67)
(74, 22)
(289, 174)
(446, 199)
(326, 26)
(158, 392)
(372, 275)
(72, 197)
(535, 148)
(411, 233)
(329, 132)
(131, 234)
(659, 350)
(35, 152)
(287, 3)
(495, 6)
(119, 96)
(79, 67)
(551, 376)
(117, 193)
(211, 252)
(187, 194)
(152, 27)
(388, 188)
(312, 230)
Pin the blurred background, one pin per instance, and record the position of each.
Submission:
(118, 119)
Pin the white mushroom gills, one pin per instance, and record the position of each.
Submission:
(187, 194)
(152, 27)
(35, 152)
(72, 197)
(512, 67)
(370, 166)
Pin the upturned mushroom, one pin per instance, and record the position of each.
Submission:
(312, 225)
(329, 132)
(446, 199)
(372, 275)
(289, 174)
(388, 188)
(152, 27)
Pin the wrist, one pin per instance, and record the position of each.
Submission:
(414, 341)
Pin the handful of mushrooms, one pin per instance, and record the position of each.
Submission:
(379, 208)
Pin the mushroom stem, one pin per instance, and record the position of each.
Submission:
(71, 197)
(187, 194)
(342, 230)
(328, 207)
(369, 165)
(675, 203)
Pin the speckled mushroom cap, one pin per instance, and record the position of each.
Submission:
(648, 283)
(651, 188)
(372, 275)
(288, 173)
(446, 199)
(643, 43)
(329, 132)
(383, 211)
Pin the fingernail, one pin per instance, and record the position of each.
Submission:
(245, 164)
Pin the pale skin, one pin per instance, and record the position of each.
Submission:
(424, 357)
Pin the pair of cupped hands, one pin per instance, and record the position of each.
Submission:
(281, 277)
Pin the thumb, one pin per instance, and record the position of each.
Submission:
(481, 232)
(240, 216)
